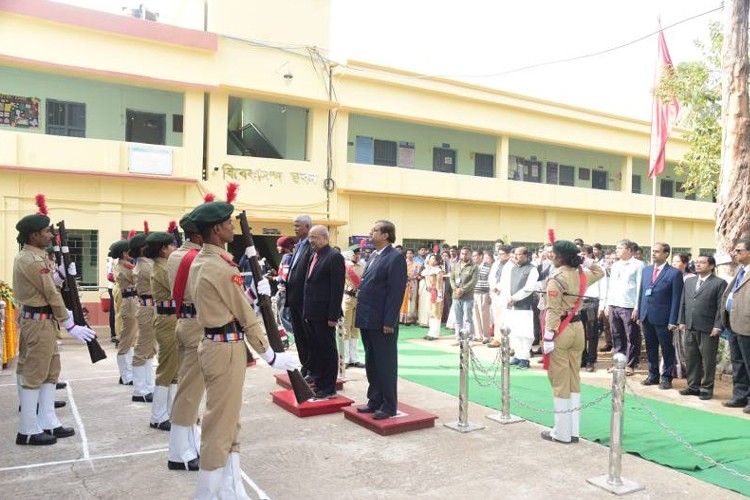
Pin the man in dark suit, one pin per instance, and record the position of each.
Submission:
(380, 295)
(700, 320)
(324, 289)
(295, 286)
(735, 315)
(658, 309)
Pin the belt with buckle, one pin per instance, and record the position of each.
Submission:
(574, 319)
(146, 300)
(188, 311)
(231, 332)
(351, 293)
(129, 292)
(165, 307)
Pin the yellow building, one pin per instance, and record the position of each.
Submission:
(118, 119)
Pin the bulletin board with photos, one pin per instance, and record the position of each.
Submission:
(19, 111)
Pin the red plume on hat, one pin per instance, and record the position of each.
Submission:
(41, 202)
(551, 235)
(131, 233)
(209, 197)
(172, 226)
(232, 189)
(145, 227)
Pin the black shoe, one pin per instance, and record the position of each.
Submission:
(574, 439)
(590, 367)
(547, 436)
(61, 385)
(61, 432)
(746, 409)
(324, 395)
(163, 426)
(381, 415)
(705, 396)
(35, 439)
(194, 464)
(357, 365)
(733, 403)
(148, 398)
(366, 409)
(60, 404)
(349, 365)
(687, 391)
(606, 348)
(309, 379)
(122, 383)
(665, 384)
(649, 381)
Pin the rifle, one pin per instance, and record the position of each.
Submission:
(71, 291)
(302, 391)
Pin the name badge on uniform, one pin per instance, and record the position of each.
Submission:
(648, 292)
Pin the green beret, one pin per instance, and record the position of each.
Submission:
(137, 241)
(117, 248)
(209, 214)
(30, 224)
(565, 248)
(158, 239)
(187, 224)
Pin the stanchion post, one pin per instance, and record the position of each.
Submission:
(613, 480)
(342, 356)
(504, 417)
(463, 424)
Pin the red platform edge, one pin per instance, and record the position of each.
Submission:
(414, 419)
(283, 380)
(286, 400)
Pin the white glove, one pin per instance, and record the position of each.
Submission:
(68, 323)
(548, 346)
(280, 360)
(82, 333)
(72, 269)
(250, 252)
(263, 287)
(58, 279)
(549, 342)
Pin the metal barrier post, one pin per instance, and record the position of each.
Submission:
(341, 346)
(504, 417)
(613, 481)
(463, 424)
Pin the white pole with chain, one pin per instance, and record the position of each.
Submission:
(504, 417)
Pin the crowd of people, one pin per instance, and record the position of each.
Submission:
(188, 303)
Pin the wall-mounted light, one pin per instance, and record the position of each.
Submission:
(285, 70)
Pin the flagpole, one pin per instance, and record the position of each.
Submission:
(653, 216)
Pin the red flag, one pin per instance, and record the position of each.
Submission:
(663, 114)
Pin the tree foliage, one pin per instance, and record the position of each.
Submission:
(697, 86)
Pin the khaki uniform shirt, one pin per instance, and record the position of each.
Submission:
(359, 270)
(32, 282)
(563, 288)
(124, 275)
(160, 281)
(173, 264)
(142, 273)
(218, 294)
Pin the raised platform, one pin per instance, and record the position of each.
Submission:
(283, 380)
(407, 419)
(309, 408)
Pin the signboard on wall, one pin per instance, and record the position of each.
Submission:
(18, 111)
(152, 160)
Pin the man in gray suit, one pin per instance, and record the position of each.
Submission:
(700, 322)
(735, 315)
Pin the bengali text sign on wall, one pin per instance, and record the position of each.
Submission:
(261, 175)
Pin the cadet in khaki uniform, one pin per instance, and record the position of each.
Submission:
(350, 333)
(145, 346)
(125, 313)
(565, 347)
(223, 311)
(42, 308)
(159, 246)
(184, 437)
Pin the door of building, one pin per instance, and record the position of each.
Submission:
(148, 128)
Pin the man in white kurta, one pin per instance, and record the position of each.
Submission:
(517, 283)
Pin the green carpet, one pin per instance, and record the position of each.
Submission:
(724, 438)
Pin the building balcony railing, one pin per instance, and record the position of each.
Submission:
(389, 181)
(93, 156)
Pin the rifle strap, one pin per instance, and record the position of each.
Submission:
(181, 278)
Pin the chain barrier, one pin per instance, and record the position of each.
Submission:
(477, 366)
(645, 406)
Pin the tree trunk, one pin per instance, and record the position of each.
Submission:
(733, 207)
